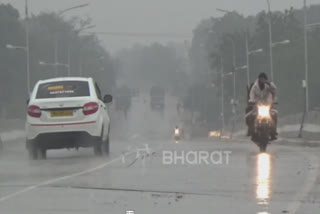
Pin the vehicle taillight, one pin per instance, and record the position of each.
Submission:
(90, 108)
(34, 111)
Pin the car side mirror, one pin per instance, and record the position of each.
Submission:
(107, 99)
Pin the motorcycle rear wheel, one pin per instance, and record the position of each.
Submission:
(263, 147)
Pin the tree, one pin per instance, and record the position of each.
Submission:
(12, 66)
(50, 36)
(288, 60)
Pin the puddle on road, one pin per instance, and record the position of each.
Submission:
(263, 181)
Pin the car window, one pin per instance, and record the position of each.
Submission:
(63, 89)
(98, 91)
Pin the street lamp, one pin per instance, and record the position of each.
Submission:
(249, 53)
(25, 48)
(234, 52)
(313, 25)
(270, 38)
(9, 46)
(241, 68)
(73, 8)
(56, 65)
(53, 64)
(223, 10)
(284, 42)
(56, 42)
(271, 43)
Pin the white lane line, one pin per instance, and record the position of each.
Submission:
(45, 183)
(308, 185)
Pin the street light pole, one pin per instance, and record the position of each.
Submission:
(69, 46)
(27, 48)
(222, 98)
(69, 60)
(233, 102)
(248, 61)
(56, 55)
(73, 8)
(306, 56)
(234, 51)
(270, 40)
(233, 56)
(249, 53)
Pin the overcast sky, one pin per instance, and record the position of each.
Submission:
(151, 16)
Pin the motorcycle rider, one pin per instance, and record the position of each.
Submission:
(261, 91)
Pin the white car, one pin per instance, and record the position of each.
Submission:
(67, 113)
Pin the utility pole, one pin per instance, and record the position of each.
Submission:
(270, 40)
(234, 100)
(248, 60)
(27, 46)
(234, 52)
(305, 82)
(69, 60)
(222, 98)
(56, 55)
(306, 56)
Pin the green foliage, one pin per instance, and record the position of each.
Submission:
(48, 32)
(216, 34)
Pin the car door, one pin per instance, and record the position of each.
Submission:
(104, 112)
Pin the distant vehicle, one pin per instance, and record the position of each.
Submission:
(157, 98)
(177, 134)
(123, 100)
(67, 113)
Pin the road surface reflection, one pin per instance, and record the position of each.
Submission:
(263, 180)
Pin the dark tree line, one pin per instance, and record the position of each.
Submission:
(52, 39)
(212, 46)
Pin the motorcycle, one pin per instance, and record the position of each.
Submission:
(177, 134)
(263, 125)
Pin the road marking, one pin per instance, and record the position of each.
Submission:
(52, 181)
(309, 183)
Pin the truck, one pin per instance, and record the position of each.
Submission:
(157, 98)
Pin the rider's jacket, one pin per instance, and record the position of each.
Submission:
(265, 96)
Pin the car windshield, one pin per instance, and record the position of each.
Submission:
(63, 89)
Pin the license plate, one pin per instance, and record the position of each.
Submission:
(61, 113)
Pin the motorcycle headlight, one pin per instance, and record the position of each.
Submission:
(264, 111)
(177, 132)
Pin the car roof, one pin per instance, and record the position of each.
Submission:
(65, 79)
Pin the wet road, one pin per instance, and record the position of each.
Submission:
(283, 181)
